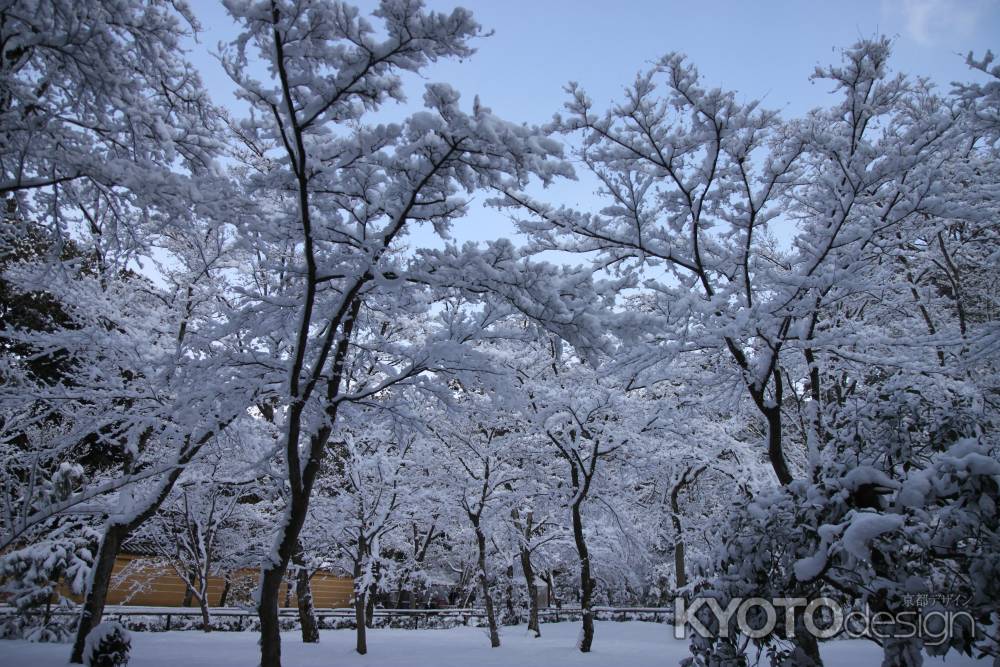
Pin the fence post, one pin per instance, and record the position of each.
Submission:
(168, 622)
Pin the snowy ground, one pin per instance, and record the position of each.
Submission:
(632, 644)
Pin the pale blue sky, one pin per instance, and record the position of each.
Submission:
(764, 49)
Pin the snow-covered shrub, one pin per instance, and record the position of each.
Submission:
(36, 578)
(870, 540)
(108, 645)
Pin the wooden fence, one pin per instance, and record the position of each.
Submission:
(236, 618)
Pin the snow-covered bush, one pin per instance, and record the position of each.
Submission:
(36, 579)
(868, 540)
(108, 645)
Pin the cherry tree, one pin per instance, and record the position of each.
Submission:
(375, 483)
(107, 124)
(188, 530)
(861, 320)
(695, 183)
(336, 196)
(477, 456)
(96, 96)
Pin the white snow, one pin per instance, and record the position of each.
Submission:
(864, 528)
(807, 569)
(635, 644)
(103, 631)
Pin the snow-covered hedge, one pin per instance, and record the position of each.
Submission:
(108, 645)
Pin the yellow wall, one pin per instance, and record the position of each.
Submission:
(144, 582)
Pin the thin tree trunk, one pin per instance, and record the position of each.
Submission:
(775, 452)
(360, 596)
(227, 586)
(509, 595)
(529, 578)
(307, 613)
(304, 598)
(550, 582)
(679, 565)
(370, 606)
(484, 583)
(586, 581)
(470, 597)
(399, 593)
(771, 409)
(189, 591)
(680, 572)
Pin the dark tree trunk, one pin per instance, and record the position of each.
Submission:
(586, 581)
(273, 571)
(550, 582)
(370, 606)
(484, 583)
(304, 598)
(689, 477)
(509, 597)
(206, 618)
(189, 592)
(359, 622)
(267, 611)
(360, 595)
(805, 640)
(529, 578)
(679, 565)
(273, 575)
(526, 529)
(115, 535)
(227, 586)
(97, 593)
(675, 514)
(775, 452)
(399, 594)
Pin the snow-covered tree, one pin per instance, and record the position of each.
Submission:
(336, 197)
(105, 126)
(371, 485)
(186, 531)
(477, 450)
